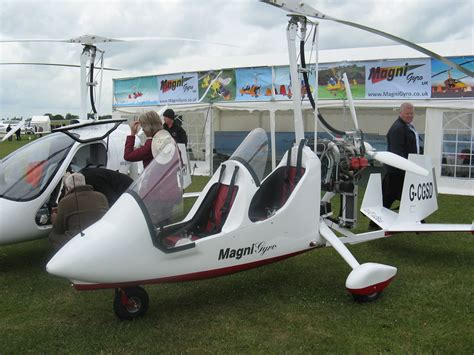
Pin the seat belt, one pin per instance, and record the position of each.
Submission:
(212, 218)
(225, 207)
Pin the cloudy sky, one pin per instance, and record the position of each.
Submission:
(254, 27)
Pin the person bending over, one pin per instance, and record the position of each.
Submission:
(77, 210)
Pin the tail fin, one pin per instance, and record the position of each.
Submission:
(372, 204)
(419, 198)
(419, 195)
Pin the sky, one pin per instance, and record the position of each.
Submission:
(254, 27)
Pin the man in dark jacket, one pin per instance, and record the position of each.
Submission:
(80, 208)
(109, 182)
(174, 128)
(402, 140)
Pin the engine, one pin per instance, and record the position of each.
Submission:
(342, 161)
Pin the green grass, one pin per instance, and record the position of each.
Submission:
(295, 306)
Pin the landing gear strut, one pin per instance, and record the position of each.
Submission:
(130, 302)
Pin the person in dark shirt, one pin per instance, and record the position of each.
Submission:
(9, 128)
(109, 182)
(174, 127)
(402, 140)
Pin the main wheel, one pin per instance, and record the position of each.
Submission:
(130, 302)
(366, 298)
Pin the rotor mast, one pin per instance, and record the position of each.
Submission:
(291, 32)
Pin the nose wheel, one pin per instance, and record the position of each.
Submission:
(130, 302)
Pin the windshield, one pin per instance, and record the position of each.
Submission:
(91, 131)
(160, 187)
(253, 152)
(25, 173)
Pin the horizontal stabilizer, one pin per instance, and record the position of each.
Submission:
(431, 227)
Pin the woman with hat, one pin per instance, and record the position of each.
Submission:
(151, 123)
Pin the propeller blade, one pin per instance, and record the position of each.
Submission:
(351, 102)
(299, 7)
(398, 162)
(55, 65)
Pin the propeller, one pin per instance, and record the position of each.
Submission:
(395, 160)
(300, 8)
(351, 102)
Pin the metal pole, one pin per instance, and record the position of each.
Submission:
(84, 80)
(316, 84)
(295, 83)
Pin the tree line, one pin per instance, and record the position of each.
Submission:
(69, 116)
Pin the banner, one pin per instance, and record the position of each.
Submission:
(331, 85)
(401, 79)
(254, 84)
(283, 90)
(217, 85)
(178, 88)
(447, 82)
(140, 91)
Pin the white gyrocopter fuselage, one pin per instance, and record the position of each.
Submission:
(31, 177)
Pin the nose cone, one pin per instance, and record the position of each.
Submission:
(110, 250)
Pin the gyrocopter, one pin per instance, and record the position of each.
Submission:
(241, 219)
(31, 177)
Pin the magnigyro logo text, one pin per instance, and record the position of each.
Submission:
(167, 85)
(420, 192)
(378, 74)
(256, 248)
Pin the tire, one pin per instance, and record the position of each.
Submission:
(366, 298)
(130, 302)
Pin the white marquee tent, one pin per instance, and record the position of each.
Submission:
(438, 119)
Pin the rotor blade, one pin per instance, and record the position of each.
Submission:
(93, 39)
(55, 65)
(33, 40)
(299, 7)
(85, 40)
(398, 162)
(137, 39)
(405, 42)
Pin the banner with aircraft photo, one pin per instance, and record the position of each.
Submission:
(447, 82)
(179, 88)
(254, 84)
(398, 79)
(331, 85)
(141, 91)
(282, 83)
(217, 85)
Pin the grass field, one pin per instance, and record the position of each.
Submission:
(295, 306)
